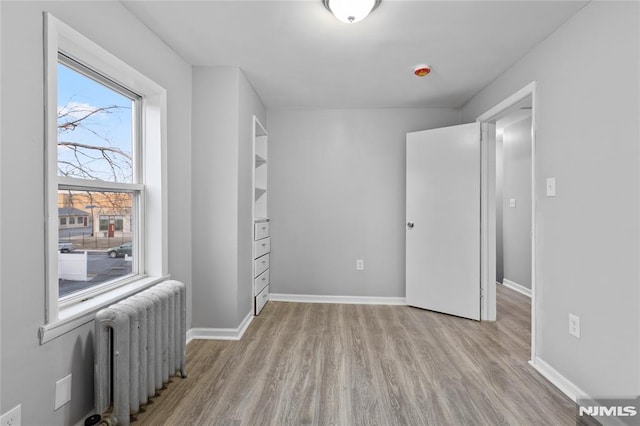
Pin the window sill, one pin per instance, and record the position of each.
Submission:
(78, 314)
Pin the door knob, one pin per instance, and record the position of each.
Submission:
(410, 225)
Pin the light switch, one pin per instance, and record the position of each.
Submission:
(512, 202)
(551, 187)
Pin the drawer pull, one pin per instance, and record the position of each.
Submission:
(264, 278)
(264, 244)
(264, 227)
(264, 296)
(264, 262)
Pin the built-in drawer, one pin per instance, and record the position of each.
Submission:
(260, 265)
(261, 299)
(261, 282)
(261, 247)
(261, 230)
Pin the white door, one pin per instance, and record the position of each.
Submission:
(443, 220)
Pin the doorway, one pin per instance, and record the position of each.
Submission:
(508, 199)
(513, 199)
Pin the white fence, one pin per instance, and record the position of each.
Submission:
(73, 266)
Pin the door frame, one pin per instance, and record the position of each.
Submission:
(488, 212)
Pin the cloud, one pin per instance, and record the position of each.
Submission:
(74, 110)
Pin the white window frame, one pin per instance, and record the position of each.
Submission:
(152, 221)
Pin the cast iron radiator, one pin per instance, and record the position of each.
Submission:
(139, 344)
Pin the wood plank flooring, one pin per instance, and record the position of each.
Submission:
(329, 364)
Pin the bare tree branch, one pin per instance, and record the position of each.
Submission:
(71, 125)
(106, 162)
(101, 149)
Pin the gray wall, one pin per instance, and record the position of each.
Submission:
(215, 196)
(587, 237)
(223, 107)
(29, 370)
(337, 194)
(517, 184)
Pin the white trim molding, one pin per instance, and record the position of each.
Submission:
(350, 300)
(490, 115)
(516, 287)
(220, 333)
(61, 315)
(79, 314)
(565, 385)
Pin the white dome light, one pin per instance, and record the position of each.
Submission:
(351, 11)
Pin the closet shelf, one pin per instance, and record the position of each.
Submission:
(260, 192)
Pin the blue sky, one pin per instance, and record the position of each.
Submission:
(77, 95)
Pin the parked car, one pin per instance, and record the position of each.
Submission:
(119, 251)
(65, 246)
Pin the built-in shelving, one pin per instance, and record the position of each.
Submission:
(259, 192)
(262, 242)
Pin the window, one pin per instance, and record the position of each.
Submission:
(106, 144)
(104, 223)
(97, 144)
(72, 220)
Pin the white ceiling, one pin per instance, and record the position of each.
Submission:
(297, 55)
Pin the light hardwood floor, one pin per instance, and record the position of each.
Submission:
(327, 364)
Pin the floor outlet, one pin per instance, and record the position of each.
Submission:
(574, 325)
(12, 417)
(360, 265)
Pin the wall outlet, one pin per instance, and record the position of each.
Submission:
(360, 265)
(63, 391)
(574, 325)
(12, 417)
(512, 202)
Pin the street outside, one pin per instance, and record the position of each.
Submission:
(100, 267)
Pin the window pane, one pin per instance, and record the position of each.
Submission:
(95, 129)
(108, 244)
(104, 223)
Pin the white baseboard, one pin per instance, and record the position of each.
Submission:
(517, 287)
(220, 333)
(570, 389)
(565, 385)
(352, 300)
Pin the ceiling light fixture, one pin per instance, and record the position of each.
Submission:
(351, 11)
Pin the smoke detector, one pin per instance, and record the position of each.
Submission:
(422, 70)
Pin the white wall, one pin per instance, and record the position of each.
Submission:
(587, 137)
(223, 107)
(30, 370)
(516, 221)
(499, 207)
(337, 194)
